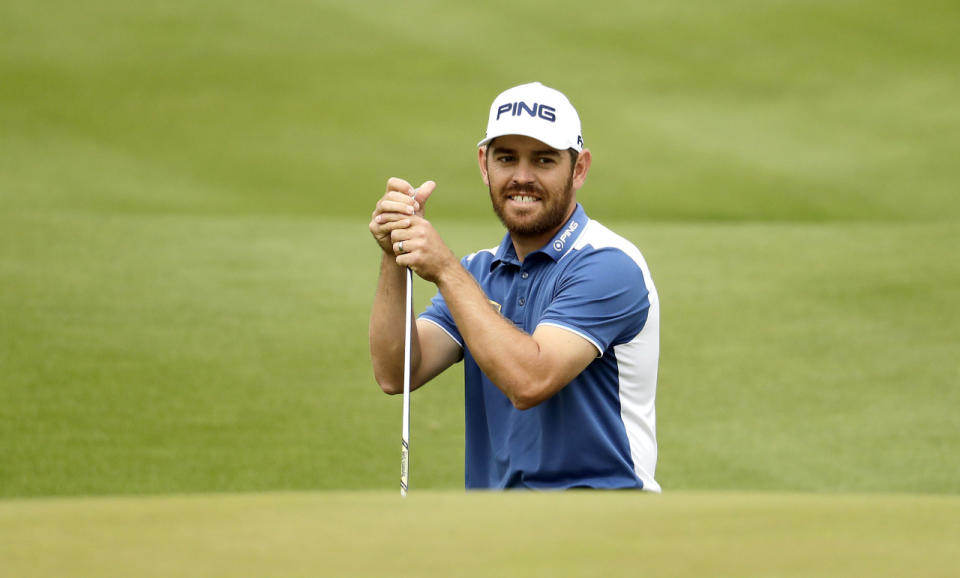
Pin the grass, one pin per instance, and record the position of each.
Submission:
(185, 280)
(160, 353)
(800, 110)
(439, 533)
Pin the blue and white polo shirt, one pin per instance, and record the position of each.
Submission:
(600, 430)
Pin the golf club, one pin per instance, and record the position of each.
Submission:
(405, 428)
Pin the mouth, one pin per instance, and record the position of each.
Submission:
(523, 199)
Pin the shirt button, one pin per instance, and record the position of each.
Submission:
(524, 275)
(521, 301)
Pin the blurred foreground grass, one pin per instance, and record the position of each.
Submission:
(512, 534)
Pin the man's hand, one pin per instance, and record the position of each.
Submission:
(394, 210)
(401, 231)
(419, 247)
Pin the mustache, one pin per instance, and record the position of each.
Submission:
(525, 188)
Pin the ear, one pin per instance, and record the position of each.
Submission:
(482, 161)
(581, 169)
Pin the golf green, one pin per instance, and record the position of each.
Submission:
(513, 534)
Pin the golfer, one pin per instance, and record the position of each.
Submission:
(557, 327)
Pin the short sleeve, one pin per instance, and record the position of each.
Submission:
(439, 314)
(601, 296)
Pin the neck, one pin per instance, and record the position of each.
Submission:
(523, 245)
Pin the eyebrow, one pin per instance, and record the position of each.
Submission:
(540, 153)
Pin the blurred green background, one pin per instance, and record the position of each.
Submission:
(186, 272)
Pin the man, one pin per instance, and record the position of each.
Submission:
(558, 327)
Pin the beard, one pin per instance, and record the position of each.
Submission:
(556, 207)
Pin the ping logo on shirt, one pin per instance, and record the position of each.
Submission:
(559, 243)
(547, 113)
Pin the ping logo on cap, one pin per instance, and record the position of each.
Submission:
(547, 113)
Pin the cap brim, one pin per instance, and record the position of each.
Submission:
(558, 145)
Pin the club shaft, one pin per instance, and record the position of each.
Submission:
(405, 431)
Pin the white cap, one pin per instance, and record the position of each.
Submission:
(536, 111)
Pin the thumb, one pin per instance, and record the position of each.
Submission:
(423, 193)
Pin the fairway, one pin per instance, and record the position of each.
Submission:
(186, 277)
(224, 354)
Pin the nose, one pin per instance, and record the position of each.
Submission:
(523, 175)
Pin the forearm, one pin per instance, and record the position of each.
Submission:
(387, 323)
(510, 357)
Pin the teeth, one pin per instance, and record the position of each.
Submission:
(524, 199)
